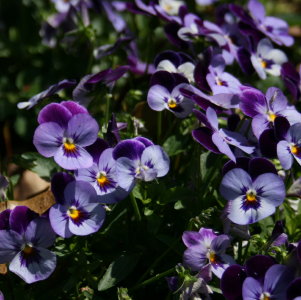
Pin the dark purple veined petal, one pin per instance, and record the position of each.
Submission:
(74, 107)
(281, 125)
(39, 267)
(220, 243)
(97, 148)
(20, 218)
(268, 143)
(258, 265)
(191, 238)
(58, 183)
(294, 290)
(232, 281)
(259, 165)
(48, 138)
(241, 163)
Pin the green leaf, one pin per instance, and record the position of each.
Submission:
(173, 146)
(118, 270)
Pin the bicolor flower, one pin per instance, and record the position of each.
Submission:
(139, 158)
(77, 211)
(24, 243)
(251, 200)
(267, 59)
(276, 29)
(276, 281)
(65, 139)
(175, 62)
(218, 140)
(206, 248)
(290, 147)
(160, 98)
(264, 109)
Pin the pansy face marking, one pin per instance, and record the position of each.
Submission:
(69, 145)
(102, 179)
(265, 296)
(172, 103)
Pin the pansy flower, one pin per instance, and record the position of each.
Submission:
(267, 59)
(160, 98)
(251, 200)
(63, 135)
(24, 243)
(290, 147)
(206, 248)
(139, 158)
(77, 210)
(218, 140)
(276, 281)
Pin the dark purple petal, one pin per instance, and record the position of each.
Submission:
(55, 112)
(131, 149)
(173, 283)
(241, 162)
(294, 289)
(232, 281)
(116, 19)
(59, 182)
(20, 217)
(282, 126)
(257, 265)
(4, 219)
(258, 166)
(268, 143)
(74, 107)
(97, 148)
(203, 136)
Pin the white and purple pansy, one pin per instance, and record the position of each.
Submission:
(139, 158)
(206, 249)
(23, 245)
(63, 133)
(251, 200)
(77, 211)
(267, 59)
(160, 98)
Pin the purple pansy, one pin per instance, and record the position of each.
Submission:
(276, 29)
(250, 200)
(191, 27)
(276, 281)
(290, 147)
(77, 211)
(264, 109)
(267, 59)
(53, 89)
(63, 134)
(139, 158)
(206, 248)
(24, 243)
(218, 140)
(160, 98)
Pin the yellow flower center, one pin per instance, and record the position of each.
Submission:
(28, 249)
(102, 179)
(263, 63)
(218, 81)
(271, 116)
(172, 103)
(251, 196)
(212, 257)
(295, 149)
(69, 145)
(73, 213)
(265, 296)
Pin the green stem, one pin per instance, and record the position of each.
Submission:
(135, 207)
(159, 127)
(108, 102)
(153, 279)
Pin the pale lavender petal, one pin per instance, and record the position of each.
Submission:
(125, 172)
(276, 99)
(207, 236)
(48, 138)
(77, 160)
(219, 268)
(212, 118)
(35, 269)
(80, 191)
(270, 187)
(191, 238)
(259, 124)
(83, 129)
(222, 146)
(257, 10)
(59, 221)
(251, 289)
(157, 158)
(234, 183)
(157, 97)
(195, 257)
